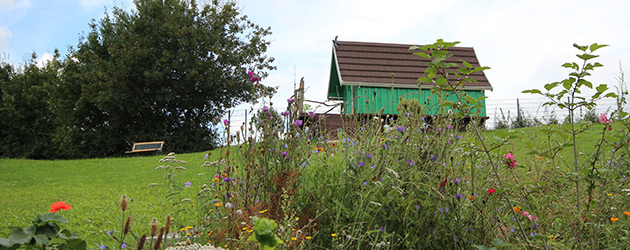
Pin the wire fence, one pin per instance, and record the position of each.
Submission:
(498, 110)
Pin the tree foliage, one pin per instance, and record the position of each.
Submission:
(164, 71)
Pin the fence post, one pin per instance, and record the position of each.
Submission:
(244, 139)
(519, 119)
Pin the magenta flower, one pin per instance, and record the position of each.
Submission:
(285, 113)
(207, 154)
(290, 100)
(298, 123)
(226, 122)
(252, 77)
(265, 109)
(401, 128)
(284, 154)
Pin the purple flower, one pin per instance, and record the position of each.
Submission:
(265, 109)
(207, 154)
(188, 184)
(458, 137)
(369, 156)
(458, 196)
(285, 113)
(361, 164)
(365, 183)
(311, 113)
(284, 154)
(109, 232)
(298, 123)
(124, 245)
(457, 180)
(102, 247)
(227, 179)
(383, 229)
(401, 128)
(290, 100)
(228, 195)
(411, 163)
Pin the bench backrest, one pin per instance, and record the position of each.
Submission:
(148, 146)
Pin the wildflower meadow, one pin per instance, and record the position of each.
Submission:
(409, 181)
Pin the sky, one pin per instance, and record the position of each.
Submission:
(523, 42)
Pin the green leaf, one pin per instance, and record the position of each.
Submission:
(582, 48)
(77, 244)
(422, 54)
(424, 80)
(596, 46)
(414, 47)
(587, 57)
(50, 217)
(611, 95)
(41, 239)
(567, 84)
(552, 85)
(499, 243)
(20, 237)
(601, 88)
(467, 64)
(532, 91)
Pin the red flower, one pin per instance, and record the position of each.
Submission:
(443, 183)
(491, 190)
(59, 205)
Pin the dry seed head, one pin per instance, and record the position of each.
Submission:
(168, 222)
(154, 227)
(123, 202)
(141, 242)
(127, 225)
(158, 242)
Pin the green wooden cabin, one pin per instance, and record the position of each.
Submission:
(383, 73)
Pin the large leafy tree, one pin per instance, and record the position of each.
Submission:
(162, 72)
(28, 124)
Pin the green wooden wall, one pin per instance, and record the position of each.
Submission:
(355, 97)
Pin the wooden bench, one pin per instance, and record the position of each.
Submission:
(146, 147)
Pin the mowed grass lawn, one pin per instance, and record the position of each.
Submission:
(94, 186)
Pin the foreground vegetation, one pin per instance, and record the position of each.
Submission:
(385, 182)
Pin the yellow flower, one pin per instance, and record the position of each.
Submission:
(209, 233)
(382, 139)
(215, 180)
(297, 218)
(188, 234)
(293, 238)
(318, 149)
(218, 204)
(613, 219)
(518, 209)
(308, 237)
(626, 213)
(245, 228)
(609, 194)
(263, 211)
(333, 235)
(551, 237)
(251, 230)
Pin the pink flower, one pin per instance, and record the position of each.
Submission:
(226, 122)
(603, 119)
(509, 156)
(525, 214)
(510, 160)
(529, 217)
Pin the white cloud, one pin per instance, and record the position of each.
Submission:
(43, 60)
(5, 33)
(7, 4)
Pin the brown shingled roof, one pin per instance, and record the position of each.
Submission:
(361, 63)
